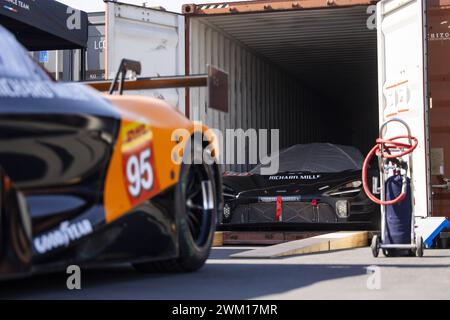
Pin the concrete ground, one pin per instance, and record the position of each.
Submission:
(336, 275)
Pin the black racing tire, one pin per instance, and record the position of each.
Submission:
(195, 240)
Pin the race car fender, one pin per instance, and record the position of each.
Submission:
(144, 161)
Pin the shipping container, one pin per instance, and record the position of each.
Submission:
(304, 101)
(319, 71)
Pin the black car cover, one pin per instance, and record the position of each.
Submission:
(45, 24)
(317, 157)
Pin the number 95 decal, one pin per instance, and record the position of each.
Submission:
(138, 162)
(139, 173)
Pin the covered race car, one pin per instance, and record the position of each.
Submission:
(317, 183)
(92, 178)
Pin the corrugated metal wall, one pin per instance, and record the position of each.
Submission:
(262, 95)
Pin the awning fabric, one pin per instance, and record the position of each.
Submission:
(45, 24)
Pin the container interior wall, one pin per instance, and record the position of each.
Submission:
(312, 74)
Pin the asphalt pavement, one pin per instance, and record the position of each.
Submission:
(348, 274)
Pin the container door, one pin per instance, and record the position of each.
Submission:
(402, 84)
(439, 83)
(153, 37)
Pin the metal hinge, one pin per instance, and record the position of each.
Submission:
(445, 186)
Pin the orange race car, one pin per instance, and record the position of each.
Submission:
(89, 178)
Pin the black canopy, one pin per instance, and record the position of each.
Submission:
(44, 24)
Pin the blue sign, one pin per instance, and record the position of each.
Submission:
(43, 56)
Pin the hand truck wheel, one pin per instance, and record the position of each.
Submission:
(375, 246)
(419, 246)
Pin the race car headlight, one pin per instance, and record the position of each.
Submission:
(342, 208)
(349, 189)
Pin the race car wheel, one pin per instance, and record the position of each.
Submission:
(196, 204)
